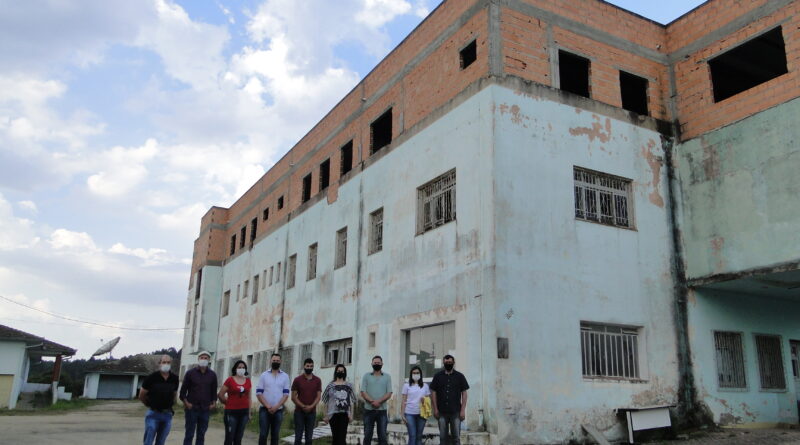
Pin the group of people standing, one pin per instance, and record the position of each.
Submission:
(445, 398)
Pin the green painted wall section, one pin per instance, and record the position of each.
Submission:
(739, 194)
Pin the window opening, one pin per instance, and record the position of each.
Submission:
(306, 352)
(770, 362)
(468, 54)
(290, 273)
(748, 65)
(197, 286)
(603, 198)
(255, 288)
(253, 230)
(573, 72)
(609, 351)
(233, 244)
(287, 354)
(341, 248)
(246, 289)
(376, 231)
(226, 302)
(312, 262)
(242, 238)
(426, 347)
(278, 273)
(381, 132)
(324, 174)
(436, 202)
(266, 214)
(280, 202)
(634, 92)
(730, 360)
(306, 188)
(271, 269)
(338, 352)
(347, 158)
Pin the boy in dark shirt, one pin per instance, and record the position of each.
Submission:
(158, 393)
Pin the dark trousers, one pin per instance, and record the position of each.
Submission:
(235, 423)
(196, 420)
(304, 424)
(338, 424)
(449, 429)
(371, 417)
(269, 425)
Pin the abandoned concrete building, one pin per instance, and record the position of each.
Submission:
(590, 210)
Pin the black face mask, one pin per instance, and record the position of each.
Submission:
(377, 367)
(276, 365)
(448, 366)
(339, 375)
(308, 371)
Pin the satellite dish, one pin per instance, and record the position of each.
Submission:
(106, 348)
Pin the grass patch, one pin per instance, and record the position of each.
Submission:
(60, 407)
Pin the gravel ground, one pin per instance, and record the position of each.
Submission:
(739, 437)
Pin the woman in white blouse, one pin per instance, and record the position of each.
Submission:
(413, 392)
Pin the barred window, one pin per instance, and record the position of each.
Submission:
(770, 362)
(290, 273)
(287, 354)
(376, 231)
(306, 351)
(312, 262)
(730, 360)
(341, 248)
(436, 202)
(338, 352)
(603, 198)
(609, 351)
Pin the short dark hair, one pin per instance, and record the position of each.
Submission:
(448, 356)
(377, 356)
(236, 365)
(275, 354)
(307, 361)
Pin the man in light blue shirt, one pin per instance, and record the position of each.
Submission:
(376, 389)
(272, 392)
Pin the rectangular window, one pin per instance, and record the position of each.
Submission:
(324, 174)
(436, 202)
(633, 90)
(603, 198)
(312, 262)
(468, 54)
(338, 352)
(795, 350)
(306, 351)
(255, 288)
(242, 238)
(280, 202)
(748, 65)
(380, 132)
(198, 285)
(609, 351)
(226, 302)
(271, 269)
(346, 153)
(278, 273)
(770, 362)
(264, 279)
(287, 356)
(730, 360)
(194, 323)
(253, 230)
(266, 214)
(341, 248)
(372, 339)
(573, 73)
(425, 347)
(306, 188)
(233, 244)
(238, 291)
(290, 273)
(246, 289)
(376, 231)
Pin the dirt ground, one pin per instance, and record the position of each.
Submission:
(740, 437)
(102, 424)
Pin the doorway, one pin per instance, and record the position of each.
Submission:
(795, 348)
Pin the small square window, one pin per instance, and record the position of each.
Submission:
(573, 72)
(609, 351)
(436, 202)
(634, 92)
(603, 198)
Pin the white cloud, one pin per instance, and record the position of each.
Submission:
(183, 218)
(150, 257)
(30, 206)
(63, 239)
(15, 233)
(121, 169)
(376, 13)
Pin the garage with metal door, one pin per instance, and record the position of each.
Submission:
(115, 387)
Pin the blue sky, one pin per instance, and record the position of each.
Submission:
(123, 121)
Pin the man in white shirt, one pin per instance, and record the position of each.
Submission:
(272, 392)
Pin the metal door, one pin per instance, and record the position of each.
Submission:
(115, 387)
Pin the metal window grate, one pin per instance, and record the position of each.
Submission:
(436, 202)
(730, 360)
(603, 198)
(770, 362)
(312, 262)
(306, 351)
(376, 231)
(609, 351)
(338, 352)
(341, 248)
(287, 355)
(290, 273)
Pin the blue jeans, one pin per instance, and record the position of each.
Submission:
(235, 423)
(449, 429)
(269, 425)
(371, 416)
(156, 427)
(415, 424)
(196, 420)
(304, 423)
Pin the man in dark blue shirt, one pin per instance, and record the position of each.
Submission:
(199, 395)
(449, 399)
(158, 394)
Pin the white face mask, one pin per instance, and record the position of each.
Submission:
(241, 372)
(203, 363)
(165, 367)
(415, 377)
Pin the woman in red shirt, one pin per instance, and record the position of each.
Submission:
(235, 395)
